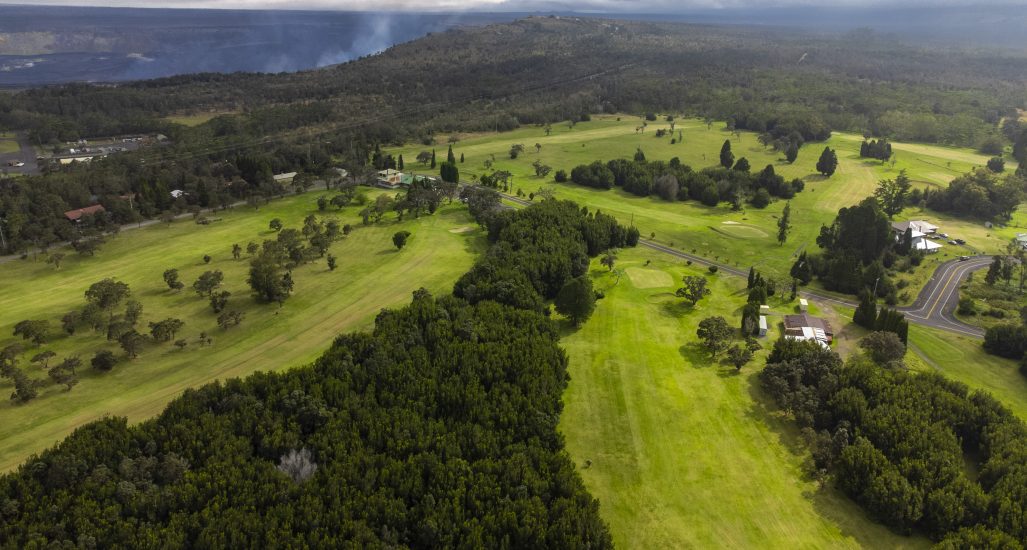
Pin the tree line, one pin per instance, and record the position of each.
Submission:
(438, 428)
(673, 181)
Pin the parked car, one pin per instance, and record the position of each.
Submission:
(959, 241)
(953, 242)
(944, 235)
(964, 258)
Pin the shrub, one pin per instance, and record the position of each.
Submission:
(104, 360)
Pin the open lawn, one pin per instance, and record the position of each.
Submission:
(9, 146)
(682, 452)
(371, 275)
(741, 238)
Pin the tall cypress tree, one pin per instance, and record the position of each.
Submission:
(433, 158)
(792, 152)
(828, 162)
(727, 158)
(450, 158)
(866, 314)
(752, 277)
(400, 161)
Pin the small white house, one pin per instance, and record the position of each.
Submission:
(763, 325)
(284, 179)
(803, 305)
(764, 309)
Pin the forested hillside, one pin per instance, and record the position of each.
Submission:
(787, 86)
(436, 430)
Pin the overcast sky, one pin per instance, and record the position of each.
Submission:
(505, 5)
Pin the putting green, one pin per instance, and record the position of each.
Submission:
(649, 278)
(741, 230)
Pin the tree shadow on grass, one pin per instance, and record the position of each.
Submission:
(567, 328)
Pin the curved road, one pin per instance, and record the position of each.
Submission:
(933, 308)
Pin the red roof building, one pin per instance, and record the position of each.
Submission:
(76, 215)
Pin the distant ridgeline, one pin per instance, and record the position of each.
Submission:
(538, 70)
(438, 429)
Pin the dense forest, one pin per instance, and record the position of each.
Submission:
(788, 86)
(437, 429)
(917, 451)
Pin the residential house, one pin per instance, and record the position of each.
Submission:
(389, 178)
(920, 231)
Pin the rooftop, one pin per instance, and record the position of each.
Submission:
(801, 320)
(75, 215)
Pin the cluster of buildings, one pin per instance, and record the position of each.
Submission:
(801, 326)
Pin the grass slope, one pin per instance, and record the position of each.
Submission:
(681, 452)
(371, 275)
(195, 119)
(691, 226)
(9, 146)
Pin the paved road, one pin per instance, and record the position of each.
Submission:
(933, 308)
(936, 303)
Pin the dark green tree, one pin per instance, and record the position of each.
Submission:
(727, 158)
(792, 152)
(828, 162)
(866, 313)
(694, 290)
(576, 300)
(714, 334)
(399, 239)
(784, 223)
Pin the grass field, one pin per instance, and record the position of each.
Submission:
(690, 226)
(371, 275)
(682, 453)
(9, 146)
(193, 119)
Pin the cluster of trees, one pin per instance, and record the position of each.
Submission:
(538, 251)
(109, 310)
(675, 181)
(875, 149)
(979, 194)
(869, 317)
(899, 442)
(415, 434)
(857, 248)
(759, 289)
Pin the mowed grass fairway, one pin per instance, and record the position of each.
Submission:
(371, 275)
(690, 226)
(682, 452)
